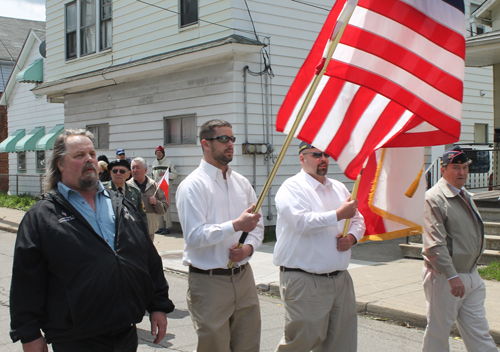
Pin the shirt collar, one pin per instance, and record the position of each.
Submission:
(455, 189)
(65, 190)
(213, 171)
(315, 183)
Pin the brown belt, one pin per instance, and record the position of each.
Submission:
(332, 274)
(225, 272)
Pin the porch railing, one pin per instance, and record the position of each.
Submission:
(482, 170)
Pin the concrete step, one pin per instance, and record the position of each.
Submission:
(491, 228)
(414, 250)
(492, 241)
(490, 214)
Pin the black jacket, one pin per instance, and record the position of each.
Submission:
(67, 281)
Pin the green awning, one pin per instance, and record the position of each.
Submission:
(28, 142)
(9, 144)
(32, 74)
(47, 141)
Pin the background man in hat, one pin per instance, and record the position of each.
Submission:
(120, 172)
(316, 289)
(120, 155)
(453, 236)
(160, 166)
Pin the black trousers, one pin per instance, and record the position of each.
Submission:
(123, 340)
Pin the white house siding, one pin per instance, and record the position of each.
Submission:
(477, 108)
(139, 31)
(27, 111)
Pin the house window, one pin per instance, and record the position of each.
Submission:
(481, 133)
(40, 160)
(188, 12)
(106, 24)
(101, 135)
(180, 129)
(21, 161)
(87, 27)
(475, 28)
(84, 28)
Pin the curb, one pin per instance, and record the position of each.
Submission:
(8, 228)
(374, 309)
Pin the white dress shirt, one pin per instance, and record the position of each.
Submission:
(307, 225)
(207, 206)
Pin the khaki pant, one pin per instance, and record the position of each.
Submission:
(225, 311)
(152, 224)
(443, 309)
(320, 313)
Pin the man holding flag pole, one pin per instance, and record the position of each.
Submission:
(216, 205)
(313, 256)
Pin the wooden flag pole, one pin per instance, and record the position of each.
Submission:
(353, 197)
(293, 130)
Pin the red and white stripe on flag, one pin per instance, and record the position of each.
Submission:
(164, 183)
(395, 80)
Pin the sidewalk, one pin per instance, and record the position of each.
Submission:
(391, 290)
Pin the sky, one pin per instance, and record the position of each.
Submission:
(25, 9)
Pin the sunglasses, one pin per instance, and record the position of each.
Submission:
(222, 139)
(115, 171)
(318, 155)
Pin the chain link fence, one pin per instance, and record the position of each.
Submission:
(23, 184)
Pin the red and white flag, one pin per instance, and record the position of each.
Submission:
(164, 183)
(395, 80)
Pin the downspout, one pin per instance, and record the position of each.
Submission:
(268, 138)
(245, 118)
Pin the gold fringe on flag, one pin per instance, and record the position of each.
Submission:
(413, 187)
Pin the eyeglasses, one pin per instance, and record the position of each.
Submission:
(318, 155)
(222, 139)
(115, 171)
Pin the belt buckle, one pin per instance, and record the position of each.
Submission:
(332, 274)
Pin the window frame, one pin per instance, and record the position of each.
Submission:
(181, 132)
(182, 4)
(19, 168)
(97, 26)
(37, 160)
(99, 129)
(477, 132)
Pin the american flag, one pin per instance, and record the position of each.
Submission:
(395, 80)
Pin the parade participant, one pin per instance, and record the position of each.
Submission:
(316, 288)
(453, 237)
(215, 206)
(84, 268)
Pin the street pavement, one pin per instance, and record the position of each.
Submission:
(389, 290)
(373, 334)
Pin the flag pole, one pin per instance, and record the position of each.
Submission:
(353, 197)
(310, 93)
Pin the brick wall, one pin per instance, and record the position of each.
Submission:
(4, 157)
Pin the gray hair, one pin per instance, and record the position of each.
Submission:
(53, 175)
(142, 161)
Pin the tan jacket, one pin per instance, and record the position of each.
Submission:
(161, 205)
(453, 233)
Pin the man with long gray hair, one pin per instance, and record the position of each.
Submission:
(85, 270)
